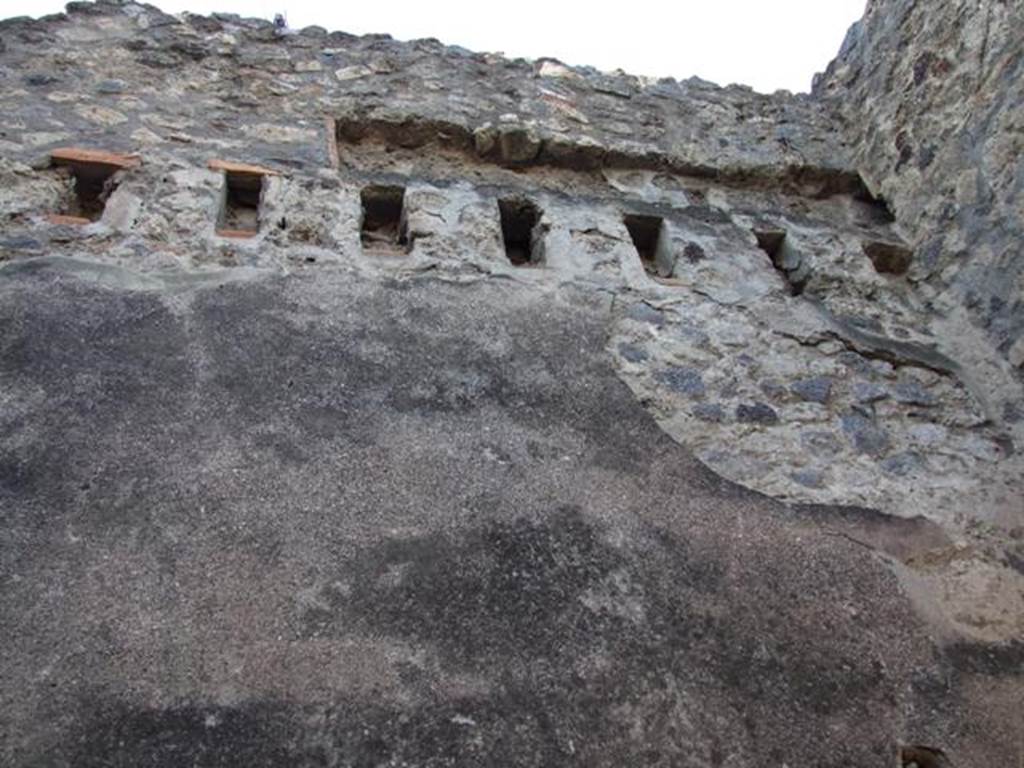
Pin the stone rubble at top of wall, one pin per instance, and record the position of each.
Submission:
(125, 69)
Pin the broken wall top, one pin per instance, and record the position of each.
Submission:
(128, 76)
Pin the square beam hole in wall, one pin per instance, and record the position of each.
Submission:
(916, 756)
(521, 230)
(383, 227)
(878, 208)
(888, 258)
(786, 259)
(93, 175)
(646, 232)
(240, 213)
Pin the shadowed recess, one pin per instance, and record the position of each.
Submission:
(646, 232)
(383, 218)
(520, 230)
(240, 213)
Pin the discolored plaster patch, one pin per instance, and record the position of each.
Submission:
(590, 595)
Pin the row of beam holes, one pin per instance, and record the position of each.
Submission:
(648, 236)
(887, 258)
(94, 182)
(384, 227)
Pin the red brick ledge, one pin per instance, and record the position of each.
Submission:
(73, 155)
(230, 167)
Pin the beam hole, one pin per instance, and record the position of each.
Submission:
(521, 230)
(383, 225)
(888, 258)
(917, 756)
(92, 183)
(240, 214)
(647, 233)
(784, 257)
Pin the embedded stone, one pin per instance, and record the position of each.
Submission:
(687, 381)
(354, 72)
(855, 362)
(518, 143)
(711, 412)
(552, 68)
(20, 243)
(809, 478)
(815, 390)
(485, 139)
(756, 413)
(632, 353)
(110, 86)
(818, 442)
(902, 464)
(772, 388)
(645, 313)
(869, 392)
(912, 393)
(929, 434)
(230, 166)
(101, 115)
(865, 435)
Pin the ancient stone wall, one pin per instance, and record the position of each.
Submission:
(766, 309)
(931, 97)
(417, 268)
(770, 313)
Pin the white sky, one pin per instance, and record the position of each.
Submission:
(766, 44)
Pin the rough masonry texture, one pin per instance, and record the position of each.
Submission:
(372, 403)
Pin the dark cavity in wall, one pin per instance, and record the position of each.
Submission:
(93, 184)
(384, 227)
(240, 214)
(786, 259)
(521, 231)
(923, 757)
(878, 209)
(888, 258)
(647, 234)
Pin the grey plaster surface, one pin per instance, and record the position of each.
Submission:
(263, 520)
